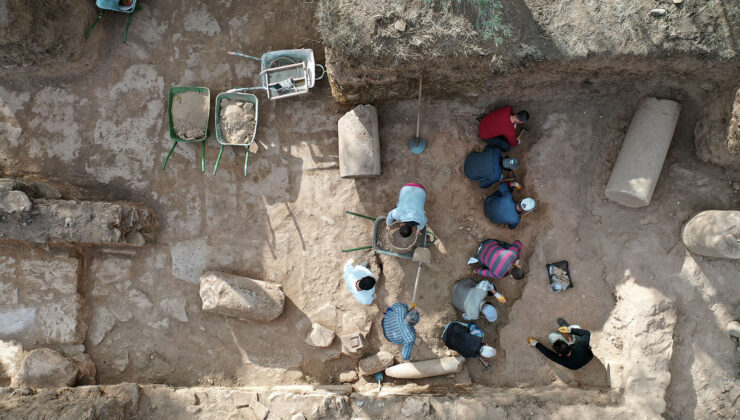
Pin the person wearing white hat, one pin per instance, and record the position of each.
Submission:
(469, 298)
(467, 339)
(500, 207)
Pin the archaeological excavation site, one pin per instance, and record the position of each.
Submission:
(335, 209)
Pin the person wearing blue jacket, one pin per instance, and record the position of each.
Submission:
(409, 210)
(488, 165)
(501, 208)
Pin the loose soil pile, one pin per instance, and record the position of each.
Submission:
(237, 121)
(190, 115)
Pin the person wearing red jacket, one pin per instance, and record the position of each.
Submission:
(498, 128)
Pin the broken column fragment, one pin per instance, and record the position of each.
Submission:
(713, 233)
(359, 143)
(644, 149)
(27, 214)
(376, 363)
(241, 297)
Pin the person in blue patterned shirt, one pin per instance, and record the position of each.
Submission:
(398, 327)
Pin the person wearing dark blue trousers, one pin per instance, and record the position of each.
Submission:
(501, 208)
(488, 165)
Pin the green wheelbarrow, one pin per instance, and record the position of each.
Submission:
(173, 135)
(237, 95)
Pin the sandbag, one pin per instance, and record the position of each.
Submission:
(713, 233)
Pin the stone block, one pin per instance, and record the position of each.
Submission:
(349, 376)
(320, 336)
(241, 297)
(359, 143)
(14, 202)
(353, 345)
(46, 368)
(713, 233)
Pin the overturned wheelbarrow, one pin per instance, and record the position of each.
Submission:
(123, 6)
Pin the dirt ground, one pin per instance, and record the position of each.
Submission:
(106, 131)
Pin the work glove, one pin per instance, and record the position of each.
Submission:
(564, 330)
(515, 185)
(532, 341)
(499, 297)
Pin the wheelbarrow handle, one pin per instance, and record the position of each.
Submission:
(323, 72)
(358, 248)
(238, 54)
(215, 168)
(203, 157)
(164, 165)
(246, 159)
(100, 16)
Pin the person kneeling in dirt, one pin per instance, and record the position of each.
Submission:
(501, 208)
(409, 210)
(467, 339)
(499, 259)
(498, 128)
(361, 282)
(572, 353)
(470, 299)
(488, 165)
(398, 327)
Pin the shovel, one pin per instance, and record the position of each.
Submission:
(418, 144)
(421, 255)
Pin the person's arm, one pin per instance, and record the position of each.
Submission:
(499, 142)
(516, 246)
(485, 272)
(548, 353)
(349, 265)
(474, 330)
(390, 218)
(406, 351)
(584, 334)
(504, 190)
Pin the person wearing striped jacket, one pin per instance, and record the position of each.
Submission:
(499, 259)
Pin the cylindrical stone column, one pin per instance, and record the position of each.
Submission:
(644, 149)
(426, 368)
(713, 233)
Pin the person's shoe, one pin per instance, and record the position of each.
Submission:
(562, 322)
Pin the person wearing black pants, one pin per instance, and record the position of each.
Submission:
(573, 353)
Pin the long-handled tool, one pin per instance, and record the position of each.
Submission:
(418, 144)
(421, 255)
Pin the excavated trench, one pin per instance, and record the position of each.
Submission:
(580, 111)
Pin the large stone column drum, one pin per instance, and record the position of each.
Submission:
(644, 149)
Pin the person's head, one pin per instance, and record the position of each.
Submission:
(526, 205)
(561, 348)
(510, 163)
(366, 283)
(487, 351)
(412, 317)
(405, 230)
(517, 272)
(520, 117)
(489, 312)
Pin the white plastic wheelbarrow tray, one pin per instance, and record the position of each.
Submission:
(287, 73)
